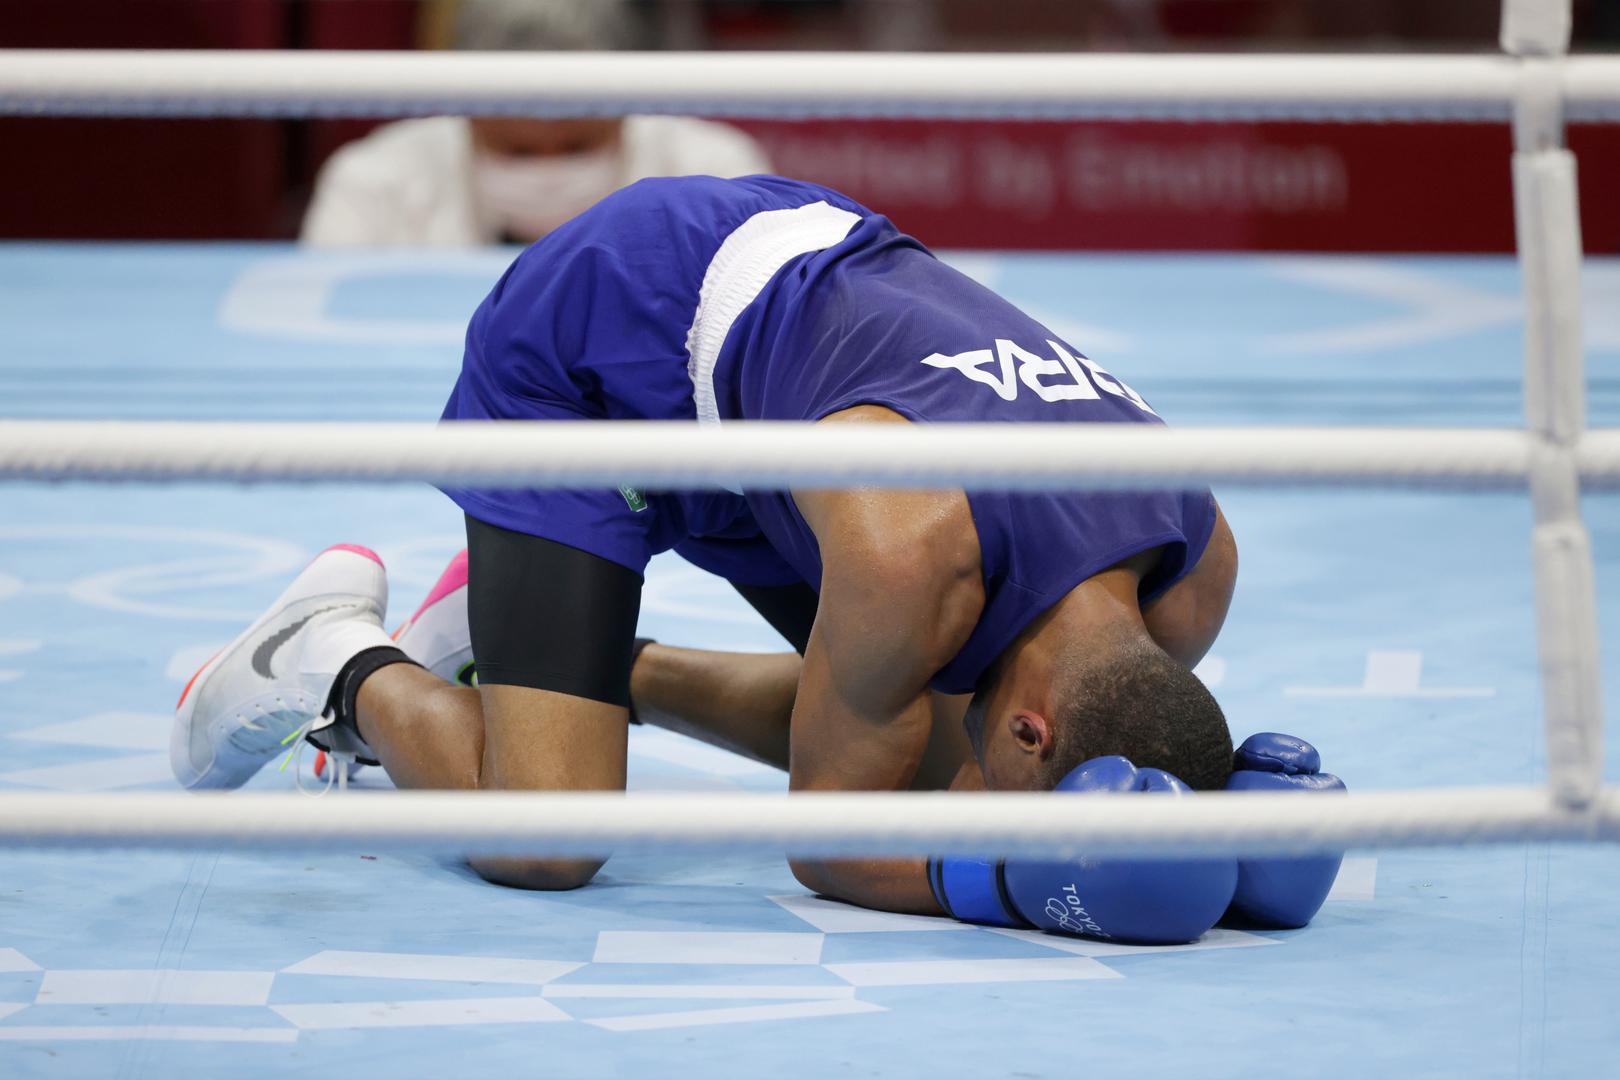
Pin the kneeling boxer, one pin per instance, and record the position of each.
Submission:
(1071, 619)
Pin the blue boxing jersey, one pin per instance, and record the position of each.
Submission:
(761, 298)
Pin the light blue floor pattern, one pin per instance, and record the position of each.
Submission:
(1481, 963)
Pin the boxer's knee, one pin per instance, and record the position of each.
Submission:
(551, 875)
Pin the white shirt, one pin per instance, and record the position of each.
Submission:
(410, 184)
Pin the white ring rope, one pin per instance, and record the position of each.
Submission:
(384, 84)
(783, 455)
(822, 824)
(1539, 83)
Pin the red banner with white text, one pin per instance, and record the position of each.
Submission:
(1178, 186)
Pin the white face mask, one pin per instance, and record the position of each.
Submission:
(528, 197)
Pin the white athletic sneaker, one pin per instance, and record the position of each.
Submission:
(437, 636)
(250, 700)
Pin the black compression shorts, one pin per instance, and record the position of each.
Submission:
(552, 617)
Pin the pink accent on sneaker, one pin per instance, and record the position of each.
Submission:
(453, 578)
(193, 680)
(358, 550)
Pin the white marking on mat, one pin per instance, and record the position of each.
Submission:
(677, 990)
(832, 917)
(12, 960)
(128, 1032)
(740, 1015)
(1434, 309)
(1213, 939)
(288, 298)
(155, 988)
(685, 947)
(380, 965)
(18, 646)
(102, 775)
(942, 972)
(114, 730)
(247, 559)
(448, 1012)
(1392, 674)
(1357, 880)
(9, 1007)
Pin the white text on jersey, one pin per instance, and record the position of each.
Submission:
(1016, 364)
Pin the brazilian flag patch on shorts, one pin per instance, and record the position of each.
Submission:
(633, 498)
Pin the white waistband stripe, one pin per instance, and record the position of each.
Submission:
(748, 259)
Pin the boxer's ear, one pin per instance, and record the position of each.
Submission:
(1032, 733)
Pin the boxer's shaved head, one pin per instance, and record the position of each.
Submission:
(1116, 692)
(1139, 703)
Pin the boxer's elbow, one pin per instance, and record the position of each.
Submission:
(547, 875)
(812, 874)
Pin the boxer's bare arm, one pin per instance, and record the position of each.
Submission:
(1186, 620)
(901, 591)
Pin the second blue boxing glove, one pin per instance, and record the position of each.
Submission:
(1281, 893)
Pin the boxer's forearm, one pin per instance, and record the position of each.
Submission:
(885, 884)
(841, 742)
(899, 595)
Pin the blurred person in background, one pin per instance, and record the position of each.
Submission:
(453, 181)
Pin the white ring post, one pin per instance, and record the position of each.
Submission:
(1547, 218)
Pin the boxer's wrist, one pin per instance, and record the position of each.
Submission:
(972, 890)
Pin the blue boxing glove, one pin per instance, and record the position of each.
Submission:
(1159, 902)
(1283, 893)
